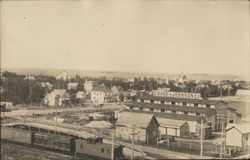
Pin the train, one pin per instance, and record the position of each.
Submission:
(90, 147)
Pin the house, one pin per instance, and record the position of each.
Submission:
(126, 96)
(57, 97)
(6, 104)
(238, 135)
(144, 127)
(64, 76)
(117, 92)
(72, 85)
(171, 127)
(47, 85)
(89, 85)
(101, 94)
(30, 77)
(80, 95)
(243, 92)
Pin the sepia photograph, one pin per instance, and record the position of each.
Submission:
(124, 79)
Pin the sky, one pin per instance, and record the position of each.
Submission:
(141, 35)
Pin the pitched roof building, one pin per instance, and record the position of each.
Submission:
(190, 110)
(101, 94)
(144, 127)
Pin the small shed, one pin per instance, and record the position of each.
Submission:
(237, 135)
(171, 127)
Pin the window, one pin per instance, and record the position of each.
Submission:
(208, 105)
(152, 109)
(162, 110)
(196, 104)
(81, 146)
(184, 103)
(173, 111)
(173, 103)
(108, 151)
(141, 108)
(152, 101)
(102, 149)
(162, 102)
(231, 121)
(185, 112)
(130, 107)
(197, 114)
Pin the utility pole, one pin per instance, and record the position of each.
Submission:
(221, 146)
(133, 139)
(201, 138)
(112, 149)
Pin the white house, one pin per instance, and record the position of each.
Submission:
(243, 92)
(64, 76)
(171, 127)
(30, 77)
(80, 95)
(101, 94)
(237, 135)
(47, 85)
(72, 85)
(56, 97)
(6, 104)
(89, 85)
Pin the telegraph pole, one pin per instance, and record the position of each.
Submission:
(221, 147)
(112, 149)
(133, 138)
(201, 138)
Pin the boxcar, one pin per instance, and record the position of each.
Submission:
(98, 150)
(52, 141)
(16, 135)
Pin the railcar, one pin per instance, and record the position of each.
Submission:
(54, 141)
(95, 148)
(16, 135)
(92, 147)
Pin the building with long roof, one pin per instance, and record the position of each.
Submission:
(213, 112)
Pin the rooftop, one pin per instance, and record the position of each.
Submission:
(174, 107)
(164, 122)
(172, 116)
(132, 119)
(102, 89)
(199, 101)
(243, 128)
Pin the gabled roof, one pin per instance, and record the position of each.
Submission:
(175, 107)
(173, 116)
(132, 119)
(199, 101)
(164, 122)
(243, 92)
(72, 84)
(102, 89)
(243, 128)
(59, 92)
